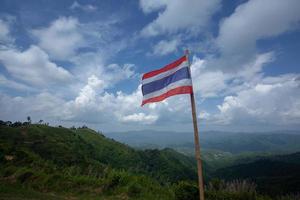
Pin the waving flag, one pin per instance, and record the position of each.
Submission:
(173, 79)
(170, 80)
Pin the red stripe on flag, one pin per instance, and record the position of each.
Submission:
(166, 68)
(175, 91)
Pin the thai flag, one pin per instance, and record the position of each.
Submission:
(173, 79)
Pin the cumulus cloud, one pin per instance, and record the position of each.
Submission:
(88, 93)
(208, 83)
(274, 100)
(61, 39)
(90, 106)
(40, 106)
(214, 82)
(165, 47)
(139, 117)
(33, 66)
(88, 7)
(178, 15)
(252, 21)
(125, 108)
(246, 95)
(93, 64)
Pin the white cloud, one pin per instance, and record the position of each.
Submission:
(34, 67)
(249, 97)
(252, 21)
(115, 73)
(204, 115)
(4, 82)
(215, 82)
(140, 117)
(250, 70)
(87, 7)
(178, 15)
(4, 31)
(6, 40)
(93, 64)
(154, 5)
(40, 106)
(274, 100)
(88, 93)
(61, 39)
(258, 103)
(88, 107)
(207, 83)
(165, 47)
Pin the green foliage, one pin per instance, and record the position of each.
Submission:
(186, 191)
(81, 163)
(274, 175)
(237, 189)
(135, 189)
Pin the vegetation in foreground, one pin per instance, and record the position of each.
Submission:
(42, 162)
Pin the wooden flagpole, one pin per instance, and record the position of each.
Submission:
(196, 138)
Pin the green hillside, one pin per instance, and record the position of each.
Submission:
(43, 162)
(48, 158)
(273, 175)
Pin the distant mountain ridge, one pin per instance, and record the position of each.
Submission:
(234, 142)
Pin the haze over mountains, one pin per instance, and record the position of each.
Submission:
(233, 142)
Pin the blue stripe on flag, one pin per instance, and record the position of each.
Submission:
(182, 73)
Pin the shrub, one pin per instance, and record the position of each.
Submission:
(289, 197)
(237, 190)
(112, 181)
(24, 176)
(186, 191)
(134, 189)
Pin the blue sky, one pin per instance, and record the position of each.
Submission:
(80, 62)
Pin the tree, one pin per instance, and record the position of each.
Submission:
(185, 190)
(17, 124)
(8, 123)
(29, 119)
(41, 121)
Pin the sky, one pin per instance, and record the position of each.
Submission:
(80, 63)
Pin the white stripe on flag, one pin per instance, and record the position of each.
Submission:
(165, 74)
(183, 82)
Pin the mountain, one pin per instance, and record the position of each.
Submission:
(85, 146)
(273, 175)
(232, 142)
(43, 162)
(59, 159)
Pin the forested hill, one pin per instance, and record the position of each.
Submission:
(84, 147)
(277, 174)
(43, 162)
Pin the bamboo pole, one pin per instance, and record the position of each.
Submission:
(196, 138)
